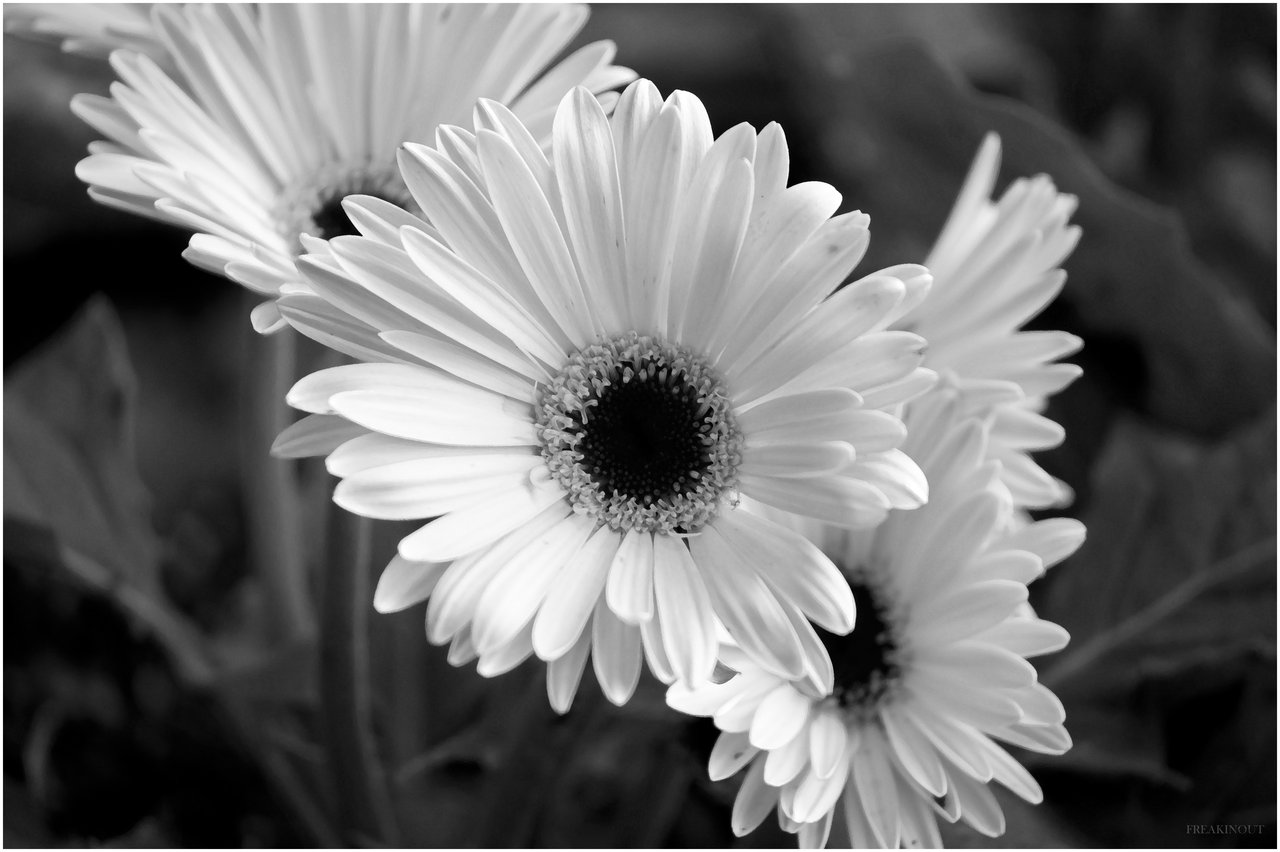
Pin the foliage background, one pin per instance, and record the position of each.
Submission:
(146, 703)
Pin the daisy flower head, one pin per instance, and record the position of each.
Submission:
(586, 364)
(273, 115)
(996, 265)
(88, 29)
(903, 724)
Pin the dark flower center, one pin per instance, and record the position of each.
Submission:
(313, 204)
(641, 435)
(646, 437)
(332, 221)
(866, 660)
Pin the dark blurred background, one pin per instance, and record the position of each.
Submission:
(124, 401)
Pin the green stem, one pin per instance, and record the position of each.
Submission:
(359, 782)
(276, 540)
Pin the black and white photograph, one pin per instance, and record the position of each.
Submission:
(639, 425)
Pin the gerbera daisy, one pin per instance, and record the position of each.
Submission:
(995, 266)
(275, 115)
(903, 724)
(597, 355)
(89, 29)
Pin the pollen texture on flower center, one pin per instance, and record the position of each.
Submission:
(314, 205)
(332, 221)
(867, 661)
(641, 435)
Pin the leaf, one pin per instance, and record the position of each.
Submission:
(1171, 607)
(897, 131)
(68, 447)
(1180, 560)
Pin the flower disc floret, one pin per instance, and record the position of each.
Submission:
(313, 204)
(869, 661)
(641, 435)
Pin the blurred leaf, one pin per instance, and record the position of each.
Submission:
(623, 784)
(73, 499)
(895, 111)
(68, 446)
(1180, 561)
(1171, 607)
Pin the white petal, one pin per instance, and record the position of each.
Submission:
(486, 299)
(1027, 637)
(470, 529)
(879, 793)
(747, 606)
(800, 572)
(833, 498)
(314, 392)
(796, 460)
(462, 362)
(827, 741)
(780, 718)
(519, 588)
(570, 601)
(565, 673)
(588, 179)
(314, 435)
(616, 655)
(453, 603)
(816, 797)
(797, 408)
(687, 623)
(425, 488)
(731, 752)
(785, 763)
(915, 753)
(404, 583)
(754, 801)
(535, 236)
(972, 609)
(629, 589)
(460, 415)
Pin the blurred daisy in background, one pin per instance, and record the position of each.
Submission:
(89, 29)
(995, 266)
(273, 115)
(584, 366)
(903, 724)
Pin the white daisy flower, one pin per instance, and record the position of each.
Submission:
(583, 370)
(275, 115)
(995, 266)
(902, 725)
(88, 29)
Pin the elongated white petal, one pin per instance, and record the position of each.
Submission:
(474, 527)
(404, 583)
(629, 588)
(570, 601)
(616, 654)
(747, 607)
(687, 623)
(314, 435)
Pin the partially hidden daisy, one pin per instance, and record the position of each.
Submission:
(274, 114)
(903, 726)
(89, 29)
(995, 266)
(585, 364)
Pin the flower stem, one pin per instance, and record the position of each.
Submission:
(359, 782)
(276, 541)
